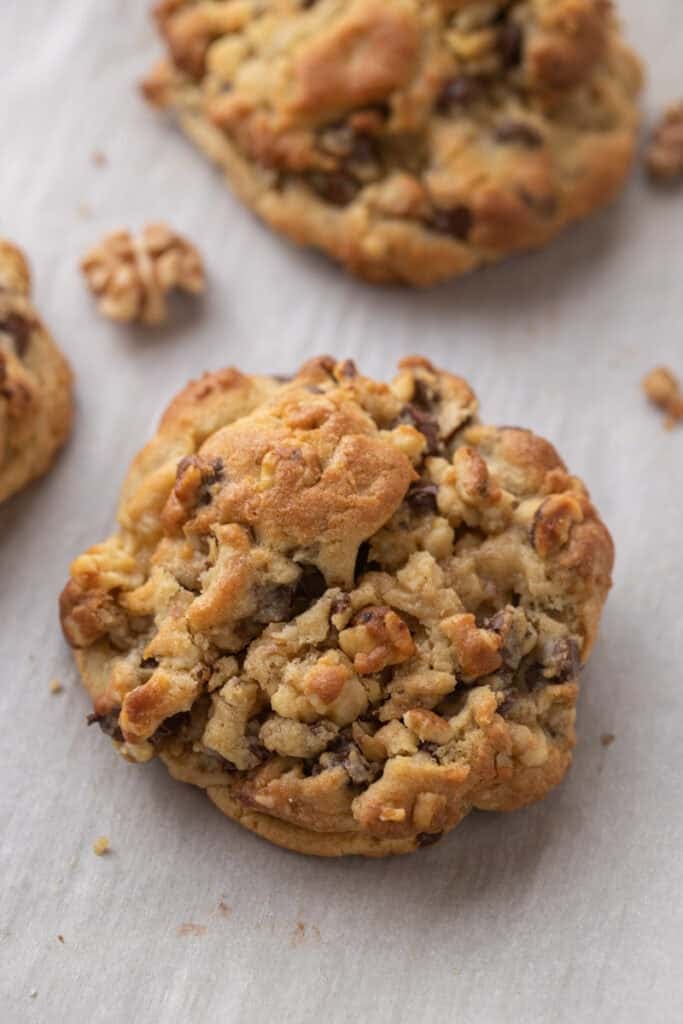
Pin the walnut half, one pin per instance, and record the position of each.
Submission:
(131, 276)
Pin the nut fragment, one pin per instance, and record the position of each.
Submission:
(377, 638)
(665, 154)
(663, 389)
(132, 276)
(100, 846)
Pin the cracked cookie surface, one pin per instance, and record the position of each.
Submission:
(413, 140)
(35, 381)
(348, 610)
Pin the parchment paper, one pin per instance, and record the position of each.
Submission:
(567, 912)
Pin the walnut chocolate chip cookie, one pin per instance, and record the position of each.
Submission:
(411, 140)
(36, 403)
(347, 610)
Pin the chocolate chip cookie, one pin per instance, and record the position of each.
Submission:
(411, 140)
(35, 381)
(347, 610)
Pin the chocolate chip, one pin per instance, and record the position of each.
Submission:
(456, 222)
(458, 92)
(310, 586)
(109, 724)
(544, 206)
(428, 838)
(170, 727)
(274, 603)
(335, 187)
(423, 395)
(510, 44)
(421, 497)
(19, 329)
(363, 564)
(149, 663)
(519, 134)
(427, 425)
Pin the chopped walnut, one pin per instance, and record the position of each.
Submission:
(378, 637)
(663, 389)
(665, 154)
(132, 276)
(477, 651)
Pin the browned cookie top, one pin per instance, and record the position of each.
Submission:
(343, 605)
(411, 139)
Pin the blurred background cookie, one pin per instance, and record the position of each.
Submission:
(36, 403)
(413, 140)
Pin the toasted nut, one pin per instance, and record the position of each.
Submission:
(427, 726)
(377, 637)
(477, 650)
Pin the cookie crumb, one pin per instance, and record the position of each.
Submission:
(607, 739)
(101, 846)
(99, 158)
(190, 928)
(56, 686)
(33, 993)
(663, 389)
(60, 938)
(132, 276)
(665, 152)
(224, 908)
(299, 933)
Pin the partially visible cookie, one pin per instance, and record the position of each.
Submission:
(411, 140)
(346, 609)
(665, 152)
(35, 381)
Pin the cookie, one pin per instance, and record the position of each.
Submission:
(414, 140)
(347, 610)
(35, 381)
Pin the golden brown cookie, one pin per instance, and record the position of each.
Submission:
(347, 610)
(411, 140)
(36, 403)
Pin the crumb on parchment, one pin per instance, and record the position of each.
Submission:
(56, 686)
(101, 846)
(663, 388)
(607, 739)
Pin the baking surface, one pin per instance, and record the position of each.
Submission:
(568, 911)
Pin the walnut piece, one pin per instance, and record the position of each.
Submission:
(131, 276)
(665, 153)
(663, 389)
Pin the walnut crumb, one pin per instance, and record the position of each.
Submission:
(101, 846)
(665, 153)
(132, 276)
(56, 686)
(663, 389)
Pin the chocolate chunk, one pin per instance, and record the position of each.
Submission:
(456, 222)
(337, 187)
(510, 44)
(421, 497)
(109, 724)
(458, 92)
(518, 133)
(423, 395)
(170, 727)
(19, 330)
(310, 586)
(149, 663)
(426, 424)
(363, 564)
(428, 838)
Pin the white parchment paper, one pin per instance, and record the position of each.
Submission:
(569, 911)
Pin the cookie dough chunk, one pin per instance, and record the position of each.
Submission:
(346, 609)
(414, 140)
(35, 381)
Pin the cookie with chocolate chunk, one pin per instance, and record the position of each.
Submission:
(413, 140)
(347, 610)
(35, 381)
